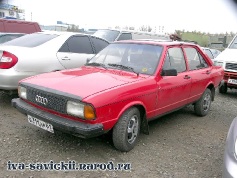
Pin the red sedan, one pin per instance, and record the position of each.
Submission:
(121, 89)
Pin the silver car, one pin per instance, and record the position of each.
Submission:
(42, 52)
(230, 155)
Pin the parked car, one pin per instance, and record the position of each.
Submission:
(215, 52)
(208, 52)
(18, 26)
(228, 60)
(44, 52)
(230, 154)
(4, 37)
(118, 35)
(120, 89)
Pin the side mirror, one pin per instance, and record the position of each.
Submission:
(169, 72)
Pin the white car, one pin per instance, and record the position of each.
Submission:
(42, 52)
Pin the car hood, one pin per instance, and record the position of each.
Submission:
(84, 81)
(227, 55)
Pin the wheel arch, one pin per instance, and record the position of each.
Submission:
(212, 88)
(142, 109)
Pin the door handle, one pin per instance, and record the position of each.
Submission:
(208, 72)
(187, 77)
(65, 58)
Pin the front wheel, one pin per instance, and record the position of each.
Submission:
(203, 105)
(127, 129)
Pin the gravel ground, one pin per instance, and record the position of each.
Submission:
(180, 145)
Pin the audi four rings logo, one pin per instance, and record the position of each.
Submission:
(42, 100)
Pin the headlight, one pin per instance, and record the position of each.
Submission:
(218, 63)
(80, 110)
(22, 92)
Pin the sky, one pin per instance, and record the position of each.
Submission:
(210, 16)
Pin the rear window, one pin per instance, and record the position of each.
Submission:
(31, 40)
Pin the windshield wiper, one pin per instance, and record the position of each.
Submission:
(124, 67)
(96, 64)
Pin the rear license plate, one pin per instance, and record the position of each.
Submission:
(40, 124)
(232, 81)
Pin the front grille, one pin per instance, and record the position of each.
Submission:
(231, 66)
(55, 102)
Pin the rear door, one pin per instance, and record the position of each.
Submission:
(199, 71)
(174, 91)
(75, 51)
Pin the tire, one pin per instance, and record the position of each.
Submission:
(203, 105)
(127, 130)
(223, 88)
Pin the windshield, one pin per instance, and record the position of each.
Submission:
(138, 58)
(31, 40)
(109, 35)
(233, 45)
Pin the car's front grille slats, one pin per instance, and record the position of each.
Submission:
(231, 66)
(54, 102)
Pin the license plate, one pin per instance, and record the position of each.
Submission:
(232, 81)
(41, 124)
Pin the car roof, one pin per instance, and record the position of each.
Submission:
(68, 34)
(156, 42)
(60, 33)
(11, 33)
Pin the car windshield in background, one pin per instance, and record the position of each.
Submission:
(31, 40)
(109, 35)
(233, 45)
(139, 58)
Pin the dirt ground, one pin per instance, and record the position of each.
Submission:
(180, 145)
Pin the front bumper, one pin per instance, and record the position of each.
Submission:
(78, 129)
(230, 75)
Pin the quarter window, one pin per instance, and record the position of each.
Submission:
(77, 44)
(175, 60)
(195, 59)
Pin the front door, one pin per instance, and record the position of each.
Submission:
(174, 91)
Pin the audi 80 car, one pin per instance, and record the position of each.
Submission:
(42, 52)
(121, 89)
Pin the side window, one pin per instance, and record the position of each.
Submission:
(175, 60)
(195, 59)
(79, 44)
(64, 48)
(99, 44)
(125, 36)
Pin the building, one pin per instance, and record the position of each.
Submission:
(9, 11)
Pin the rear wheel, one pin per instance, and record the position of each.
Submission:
(127, 129)
(223, 88)
(203, 105)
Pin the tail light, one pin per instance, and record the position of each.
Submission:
(7, 60)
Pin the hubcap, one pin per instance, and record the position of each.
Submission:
(206, 102)
(132, 129)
